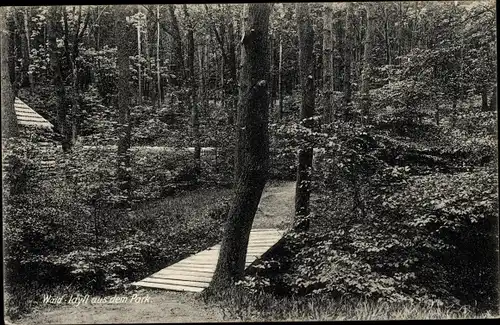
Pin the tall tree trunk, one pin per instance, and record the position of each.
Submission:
(146, 47)
(347, 59)
(252, 146)
(399, 34)
(386, 35)
(202, 75)
(62, 105)
(280, 80)
(27, 33)
(124, 51)
(195, 124)
(306, 68)
(177, 44)
(328, 63)
(339, 51)
(206, 71)
(9, 119)
(365, 76)
(158, 73)
(139, 73)
(21, 51)
(438, 113)
(231, 58)
(271, 69)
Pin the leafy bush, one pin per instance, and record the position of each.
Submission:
(55, 239)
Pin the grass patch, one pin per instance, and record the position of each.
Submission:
(239, 304)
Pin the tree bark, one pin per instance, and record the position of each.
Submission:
(21, 79)
(365, 76)
(252, 146)
(438, 114)
(271, 69)
(177, 44)
(347, 59)
(231, 58)
(306, 68)
(328, 63)
(139, 73)
(280, 81)
(386, 36)
(9, 119)
(195, 124)
(62, 105)
(124, 51)
(27, 33)
(158, 73)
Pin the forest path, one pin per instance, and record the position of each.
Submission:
(148, 305)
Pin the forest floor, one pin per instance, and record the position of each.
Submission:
(149, 305)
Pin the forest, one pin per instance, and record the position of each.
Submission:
(366, 131)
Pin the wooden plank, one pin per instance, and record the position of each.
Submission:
(264, 237)
(194, 268)
(198, 262)
(177, 282)
(190, 269)
(183, 277)
(260, 245)
(24, 122)
(256, 230)
(28, 113)
(168, 271)
(167, 286)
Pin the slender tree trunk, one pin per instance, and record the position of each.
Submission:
(21, 79)
(195, 124)
(400, 31)
(158, 73)
(232, 82)
(347, 59)
(271, 70)
(386, 36)
(365, 76)
(9, 119)
(55, 57)
(252, 147)
(306, 68)
(206, 71)
(202, 75)
(177, 44)
(438, 114)
(146, 48)
(27, 32)
(124, 50)
(339, 51)
(139, 73)
(280, 81)
(328, 63)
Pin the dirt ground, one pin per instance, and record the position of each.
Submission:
(160, 306)
(150, 306)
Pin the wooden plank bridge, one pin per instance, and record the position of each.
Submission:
(195, 272)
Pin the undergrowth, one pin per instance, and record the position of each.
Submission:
(103, 251)
(242, 305)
